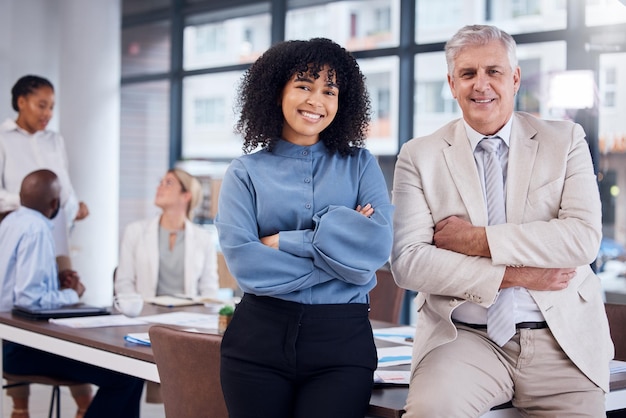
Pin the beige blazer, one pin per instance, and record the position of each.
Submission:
(553, 220)
(138, 269)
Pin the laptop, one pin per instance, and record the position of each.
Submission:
(67, 311)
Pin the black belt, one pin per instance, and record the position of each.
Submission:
(519, 325)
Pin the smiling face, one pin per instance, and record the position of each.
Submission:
(35, 109)
(484, 85)
(309, 105)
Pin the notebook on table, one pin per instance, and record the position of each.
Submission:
(67, 311)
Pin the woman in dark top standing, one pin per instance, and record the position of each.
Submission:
(304, 223)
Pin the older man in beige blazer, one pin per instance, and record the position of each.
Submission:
(556, 364)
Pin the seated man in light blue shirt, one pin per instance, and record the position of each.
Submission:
(29, 271)
(29, 278)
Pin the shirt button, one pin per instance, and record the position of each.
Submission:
(308, 206)
(305, 152)
(307, 180)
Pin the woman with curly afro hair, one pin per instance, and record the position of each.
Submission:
(304, 222)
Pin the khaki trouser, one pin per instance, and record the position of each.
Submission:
(469, 376)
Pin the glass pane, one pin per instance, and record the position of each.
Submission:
(208, 116)
(210, 40)
(538, 61)
(146, 49)
(356, 25)
(434, 105)
(144, 147)
(130, 7)
(438, 20)
(605, 12)
(382, 84)
(612, 144)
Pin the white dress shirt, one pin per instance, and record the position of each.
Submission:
(22, 153)
(525, 308)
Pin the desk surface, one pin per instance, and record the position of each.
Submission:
(102, 346)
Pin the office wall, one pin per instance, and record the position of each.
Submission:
(75, 43)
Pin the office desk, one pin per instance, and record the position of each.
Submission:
(106, 347)
(103, 346)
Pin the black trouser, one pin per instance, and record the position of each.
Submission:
(283, 359)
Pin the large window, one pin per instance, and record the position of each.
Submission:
(216, 39)
(357, 25)
(209, 116)
(144, 149)
(146, 49)
(437, 20)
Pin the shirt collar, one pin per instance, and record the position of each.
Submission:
(475, 137)
(289, 149)
(9, 125)
(34, 212)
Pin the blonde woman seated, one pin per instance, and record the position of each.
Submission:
(169, 255)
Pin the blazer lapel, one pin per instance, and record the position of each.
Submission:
(190, 256)
(460, 160)
(522, 153)
(152, 242)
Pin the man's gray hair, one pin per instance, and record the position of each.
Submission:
(476, 35)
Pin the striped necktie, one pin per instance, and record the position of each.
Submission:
(500, 315)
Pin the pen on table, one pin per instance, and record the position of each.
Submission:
(409, 339)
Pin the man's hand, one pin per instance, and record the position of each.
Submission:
(535, 278)
(83, 211)
(68, 279)
(79, 288)
(458, 235)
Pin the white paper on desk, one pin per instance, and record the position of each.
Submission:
(617, 366)
(394, 356)
(184, 319)
(396, 335)
(97, 321)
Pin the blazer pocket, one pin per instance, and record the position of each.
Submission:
(546, 200)
(590, 288)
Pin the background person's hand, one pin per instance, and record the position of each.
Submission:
(83, 211)
(68, 279)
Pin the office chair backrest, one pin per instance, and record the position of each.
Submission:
(616, 313)
(386, 298)
(189, 369)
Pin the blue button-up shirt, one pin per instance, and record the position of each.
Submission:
(328, 252)
(28, 264)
